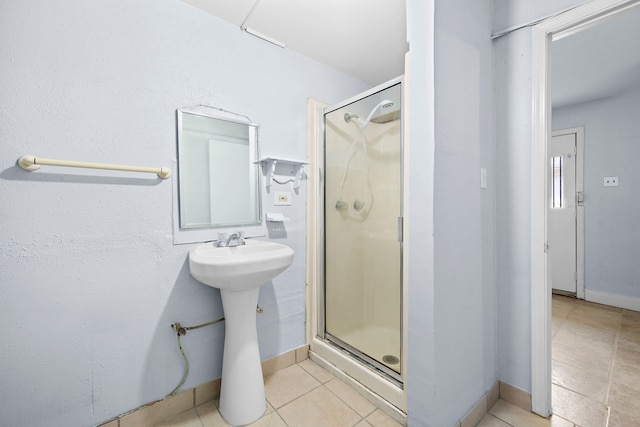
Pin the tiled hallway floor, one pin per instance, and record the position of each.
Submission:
(596, 379)
(302, 395)
(596, 369)
(596, 363)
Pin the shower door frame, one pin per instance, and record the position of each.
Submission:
(386, 390)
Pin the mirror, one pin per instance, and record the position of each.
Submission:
(218, 177)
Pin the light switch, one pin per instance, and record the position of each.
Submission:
(483, 178)
(610, 181)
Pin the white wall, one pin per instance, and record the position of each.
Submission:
(612, 223)
(90, 280)
(512, 110)
(452, 301)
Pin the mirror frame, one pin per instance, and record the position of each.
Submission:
(209, 233)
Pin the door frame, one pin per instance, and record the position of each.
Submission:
(542, 34)
(579, 135)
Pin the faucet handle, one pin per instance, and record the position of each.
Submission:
(222, 236)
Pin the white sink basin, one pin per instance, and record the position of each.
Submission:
(239, 268)
(238, 272)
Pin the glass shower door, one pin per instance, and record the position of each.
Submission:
(362, 228)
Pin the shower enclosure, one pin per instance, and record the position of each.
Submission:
(359, 296)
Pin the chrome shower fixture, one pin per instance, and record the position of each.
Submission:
(359, 206)
(349, 116)
(341, 205)
(382, 105)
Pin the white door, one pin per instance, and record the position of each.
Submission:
(562, 213)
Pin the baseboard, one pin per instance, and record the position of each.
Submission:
(614, 300)
(161, 410)
(480, 409)
(515, 396)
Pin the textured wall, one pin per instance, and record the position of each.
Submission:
(451, 230)
(89, 278)
(612, 225)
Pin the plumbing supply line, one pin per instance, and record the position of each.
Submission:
(186, 370)
(31, 163)
(182, 330)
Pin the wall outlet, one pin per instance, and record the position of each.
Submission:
(282, 198)
(610, 181)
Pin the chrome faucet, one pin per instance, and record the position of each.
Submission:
(234, 239)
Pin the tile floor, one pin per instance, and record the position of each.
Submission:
(596, 363)
(595, 381)
(596, 370)
(301, 395)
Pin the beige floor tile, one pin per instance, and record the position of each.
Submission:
(380, 419)
(621, 419)
(627, 355)
(363, 423)
(186, 419)
(629, 337)
(627, 374)
(588, 357)
(490, 421)
(575, 331)
(269, 420)
(554, 329)
(516, 416)
(319, 408)
(210, 416)
(577, 408)
(316, 370)
(594, 385)
(557, 421)
(623, 398)
(561, 302)
(630, 317)
(288, 384)
(351, 397)
(595, 308)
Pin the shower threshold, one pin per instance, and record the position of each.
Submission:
(374, 365)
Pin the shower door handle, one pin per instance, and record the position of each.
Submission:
(400, 228)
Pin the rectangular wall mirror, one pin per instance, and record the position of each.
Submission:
(218, 179)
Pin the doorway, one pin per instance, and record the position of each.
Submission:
(543, 34)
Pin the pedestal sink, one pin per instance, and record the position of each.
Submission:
(238, 272)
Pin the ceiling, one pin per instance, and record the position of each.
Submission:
(362, 38)
(367, 39)
(601, 61)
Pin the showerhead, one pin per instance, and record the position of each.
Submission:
(382, 105)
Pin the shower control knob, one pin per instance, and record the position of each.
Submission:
(358, 205)
(341, 205)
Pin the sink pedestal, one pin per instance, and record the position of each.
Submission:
(242, 399)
